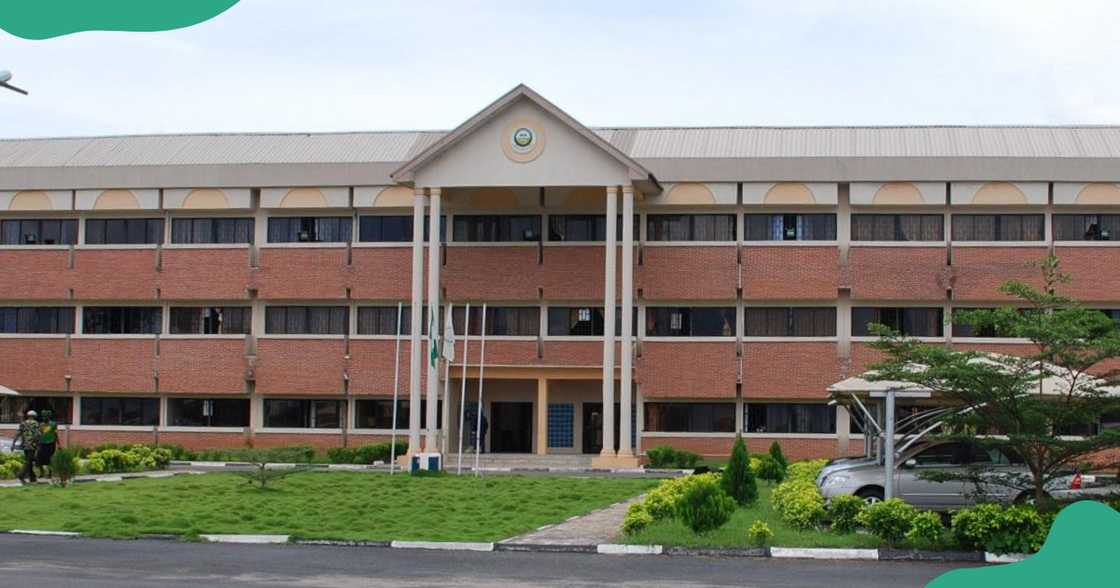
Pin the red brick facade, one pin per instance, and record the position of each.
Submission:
(909, 274)
(791, 273)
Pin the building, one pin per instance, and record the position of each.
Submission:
(219, 290)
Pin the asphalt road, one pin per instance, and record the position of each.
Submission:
(46, 562)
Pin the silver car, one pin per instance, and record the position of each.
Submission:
(865, 478)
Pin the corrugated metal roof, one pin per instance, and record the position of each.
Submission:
(1088, 142)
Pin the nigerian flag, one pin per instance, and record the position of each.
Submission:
(433, 332)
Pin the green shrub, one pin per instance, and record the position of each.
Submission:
(368, 454)
(844, 512)
(637, 518)
(926, 527)
(703, 505)
(661, 502)
(779, 457)
(888, 520)
(64, 464)
(294, 454)
(990, 527)
(738, 480)
(111, 461)
(178, 452)
(805, 470)
(341, 455)
(10, 465)
(799, 503)
(759, 534)
(667, 456)
(769, 469)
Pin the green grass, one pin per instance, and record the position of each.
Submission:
(316, 505)
(734, 533)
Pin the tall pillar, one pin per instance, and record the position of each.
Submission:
(542, 416)
(626, 348)
(608, 322)
(431, 443)
(415, 353)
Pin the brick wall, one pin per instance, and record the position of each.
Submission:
(789, 371)
(371, 366)
(897, 273)
(978, 272)
(113, 365)
(211, 366)
(688, 273)
(300, 366)
(297, 273)
(791, 272)
(43, 275)
(1087, 282)
(575, 273)
(491, 273)
(687, 370)
(382, 273)
(204, 274)
(33, 364)
(115, 274)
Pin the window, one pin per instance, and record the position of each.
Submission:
(561, 425)
(39, 232)
(998, 227)
(494, 228)
(37, 319)
(584, 227)
(961, 329)
(378, 413)
(121, 412)
(791, 322)
(214, 320)
(790, 418)
(212, 230)
(791, 227)
(898, 227)
(13, 408)
(510, 321)
(208, 412)
(124, 231)
(394, 229)
(911, 322)
(690, 322)
(302, 414)
(1086, 227)
(690, 227)
(690, 417)
(582, 321)
(382, 320)
(307, 320)
(122, 320)
(310, 229)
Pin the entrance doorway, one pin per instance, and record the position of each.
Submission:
(511, 427)
(593, 427)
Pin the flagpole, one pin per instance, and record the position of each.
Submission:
(448, 355)
(481, 367)
(396, 391)
(463, 385)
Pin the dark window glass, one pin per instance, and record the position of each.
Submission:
(791, 227)
(37, 319)
(998, 227)
(585, 227)
(212, 230)
(1086, 227)
(13, 408)
(583, 321)
(790, 322)
(310, 229)
(122, 411)
(302, 414)
(690, 322)
(911, 322)
(208, 412)
(306, 320)
(690, 227)
(49, 231)
(378, 414)
(494, 228)
(382, 320)
(124, 231)
(394, 229)
(898, 227)
(690, 417)
(122, 320)
(214, 320)
(511, 321)
(790, 418)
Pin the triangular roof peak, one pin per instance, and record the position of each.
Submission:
(639, 175)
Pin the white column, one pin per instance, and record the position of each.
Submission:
(627, 347)
(608, 322)
(415, 353)
(431, 442)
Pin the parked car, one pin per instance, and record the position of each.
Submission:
(865, 478)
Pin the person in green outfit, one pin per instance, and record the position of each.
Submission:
(47, 444)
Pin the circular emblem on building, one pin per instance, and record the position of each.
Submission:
(523, 140)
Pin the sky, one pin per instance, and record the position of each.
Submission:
(349, 65)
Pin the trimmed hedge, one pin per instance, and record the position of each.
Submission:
(667, 456)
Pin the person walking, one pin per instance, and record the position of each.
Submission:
(28, 436)
(48, 442)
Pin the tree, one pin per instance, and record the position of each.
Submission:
(1002, 399)
(738, 479)
(259, 473)
(779, 457)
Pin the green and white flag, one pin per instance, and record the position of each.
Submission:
(433, 332)
(448, 337)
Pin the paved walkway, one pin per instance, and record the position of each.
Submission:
(593, 528)
(106, 477)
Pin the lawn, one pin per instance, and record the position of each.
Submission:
(317, 505)
(734, 533)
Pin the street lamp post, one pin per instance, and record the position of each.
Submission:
(5, 76)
